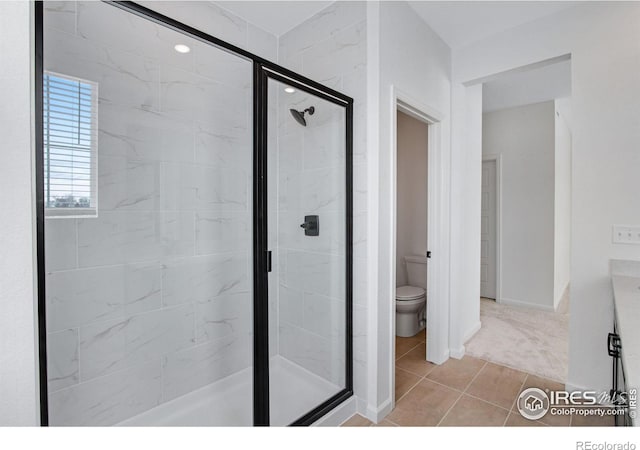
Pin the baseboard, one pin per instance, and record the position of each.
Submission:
(521, 304)
(338, 415)
(474, 329)
(376, 414)
(457, 353)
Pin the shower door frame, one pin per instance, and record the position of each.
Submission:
(263, 69)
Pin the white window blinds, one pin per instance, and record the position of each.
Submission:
(70, 145)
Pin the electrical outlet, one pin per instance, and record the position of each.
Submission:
(624, 234)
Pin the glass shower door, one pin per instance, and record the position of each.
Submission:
(148, 231)
(308, 238)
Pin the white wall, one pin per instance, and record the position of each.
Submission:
(18, 347)
(417, 63)
(605, 55)
(562, 202)
(411, 226)
(466, 179)
(525, 138)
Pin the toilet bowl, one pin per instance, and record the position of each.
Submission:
(411, 300)
(410, 306)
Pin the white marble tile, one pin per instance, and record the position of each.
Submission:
(332, 237)
(160, 332)
(324, 316)
(189, 187)
(290, 306)
(222, 232)
(124, 184)
(138, 134)
(310, 351)
(222, 66)
(198, 366)
(290, 151)
(60, 15)
(323, 190)
(224, 315)
(262, 43)
(107, 400)
(60, 244)
(317, 273)
(123, 78)
(346, 52)
(204, 277)
(186, 95)
(143, 283)
(103, 348)
(62, 359)
(108, 346)
(78, 297)
(205, 16)
(325, 144)
(322, 26)
(224, 147)
(116, 237)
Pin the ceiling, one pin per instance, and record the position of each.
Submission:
(462, 22)
(276, 17)
(517, 88)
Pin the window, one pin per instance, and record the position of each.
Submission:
(70, 146)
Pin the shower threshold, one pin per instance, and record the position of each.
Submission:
(228, 402)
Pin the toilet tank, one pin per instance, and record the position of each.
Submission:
(416, 270)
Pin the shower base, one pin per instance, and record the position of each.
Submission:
(229, 402)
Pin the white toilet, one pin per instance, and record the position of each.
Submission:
(411, 300)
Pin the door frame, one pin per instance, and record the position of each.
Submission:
(437, 348)
(262, 70)
(497, 157)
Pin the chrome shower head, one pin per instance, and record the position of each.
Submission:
(299, 115)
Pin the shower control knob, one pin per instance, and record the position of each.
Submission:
(311, 226)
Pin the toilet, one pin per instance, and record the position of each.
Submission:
(411, 300)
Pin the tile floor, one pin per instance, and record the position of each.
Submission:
(465, 392)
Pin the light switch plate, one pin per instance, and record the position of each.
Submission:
(626, 234)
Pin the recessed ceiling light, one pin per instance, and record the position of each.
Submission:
(181, 48)
(289, 90)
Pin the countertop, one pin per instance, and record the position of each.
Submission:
(625, 277)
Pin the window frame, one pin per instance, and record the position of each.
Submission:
(92, 211)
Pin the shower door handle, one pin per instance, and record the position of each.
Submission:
(311, 226)
(268, 260)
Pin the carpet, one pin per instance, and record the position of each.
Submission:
(526, 339)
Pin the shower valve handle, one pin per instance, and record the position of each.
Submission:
(311, 226)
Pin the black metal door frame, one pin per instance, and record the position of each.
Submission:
(262, 71)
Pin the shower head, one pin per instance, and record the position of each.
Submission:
(299, 115)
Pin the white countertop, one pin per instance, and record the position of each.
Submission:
(625, 277)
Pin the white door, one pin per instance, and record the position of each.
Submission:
(488, 231)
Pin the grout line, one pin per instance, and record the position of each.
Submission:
(516, 399)
(475, 376)
(449, 410)
(486, 401)
(411, 349)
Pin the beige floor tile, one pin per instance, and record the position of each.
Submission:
(404, 382)
(471, 412)
(457, 373)
(384, 423)
(415, 361)
(516, 420)
(403, 345)
(592, 421)
(548, 385)
(357, 421)
(497, 384)
(425, 405)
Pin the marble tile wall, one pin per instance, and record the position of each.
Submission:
(330, 47)
(152, 299)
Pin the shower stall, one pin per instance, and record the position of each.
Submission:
(194, 207)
